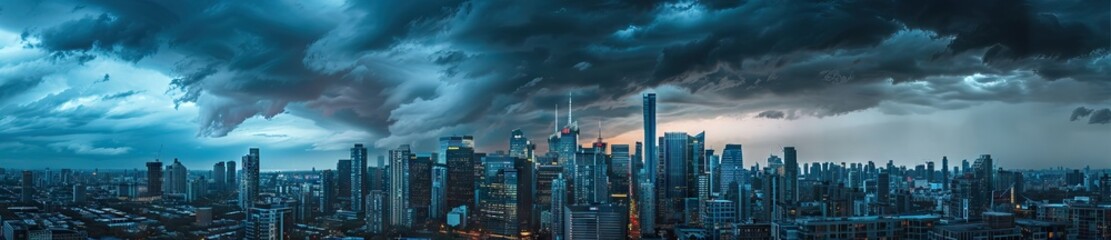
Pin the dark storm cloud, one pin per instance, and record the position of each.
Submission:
(1080, 112)
(1102, 116)
(409, 71)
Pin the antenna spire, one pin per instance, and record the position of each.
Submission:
(557, 118)
(569, 121)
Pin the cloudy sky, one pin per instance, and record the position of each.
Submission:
(112, 84)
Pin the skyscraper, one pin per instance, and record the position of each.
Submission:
(499, 196)
(945, 173)
(620, 170)
(420, 186)
(732, 166)
(248, 193)
(27, 189)
(399, 187)
(327, 191)
(358, 177)
(343, 180)
(650, 160)
(518, 144)
(154, 178)
(232, 182)
(219, 173)
(559, 201)
(461, 171)
(375, 211)
(675, 150)
(175, 178)
(790, 175)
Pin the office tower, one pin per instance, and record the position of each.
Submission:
(343, 180)
(588, 182)
(219, 173)
(175, 178)
(248, 193)
(358, 177)
(528, 213)
(399, 187)
(620, 170)
(883, 191)
(438, 208)
(267, 221)
(559, 201)
(420, 186)
(929, 172)
(714, 170)
(232, 182)
(983, 168)
(375, 211)
(944, 173)
(605, 221)
(327, 192)
(545, 175)
(650, 152)
(518, 144)
(569, 143)
(718, 214)
(675, 153)
(790, 176)
(195, 189)
(646, 207)
(154, 178)
(732, 166)
(460, 159)
(697, 162)
(27, 189)
(965, 167)
(498, 197)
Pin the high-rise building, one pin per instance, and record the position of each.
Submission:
(620, 170)
(420, 187)
(175, 178)
(675, 150)
(358, 177)
(498, 197)
(646, 200)
(458, 153)
(27, 189)
(594, 222)
(732, 166)
(559, 201)
(195, 189)
(268, 221)
(399, 187)
(718, 214)
(219, 176)
(232, 182)
(343, 180)
(248, 193)
(790, 176)
(375, 211)
(154, 178)
(327, 191)
(438, 208)
(518, 144)
(944, 173)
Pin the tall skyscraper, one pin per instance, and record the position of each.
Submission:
(945, 173)
(620, 170)
(248, 193)
(154, 178)
(358, 177)
(27, 187)
(375, 211)
(883, 192)
(460, 159)
(219, 176)
(518, 144)
(675, 150)
(732, 166)
(327, 191)
(232, 182)
(650, 160)
(559, 201)
(420, 186)
(176, 178)
(343, 181)
(399, 187)
(438, 208)
(499, 197)
(790, 175)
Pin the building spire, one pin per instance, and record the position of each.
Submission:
(599, 130)
(557, 118)
(569, 121)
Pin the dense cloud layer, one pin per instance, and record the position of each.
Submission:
(409, 71)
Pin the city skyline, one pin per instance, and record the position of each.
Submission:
(117, 84)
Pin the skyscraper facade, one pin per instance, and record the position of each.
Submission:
(732, 166)
(358, 177)
(594, 222)
(219, 173)
(498, 197)
(154, 178)
(649, 158)
(248, 193)
(343, 181)
(420, 186)
(27, 187)
(327, 191)
(399, 187)
(232, 182)
(461, 164)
